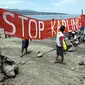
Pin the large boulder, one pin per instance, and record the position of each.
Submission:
(9, 67)
(10, 70)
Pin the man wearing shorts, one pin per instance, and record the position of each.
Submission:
(59, 44)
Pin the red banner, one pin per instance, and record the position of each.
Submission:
(29, 28)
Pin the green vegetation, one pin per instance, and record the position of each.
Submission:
(31, 12)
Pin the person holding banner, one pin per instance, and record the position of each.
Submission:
(6, 36)
(73, 34)
(59, 45)
(25, 44)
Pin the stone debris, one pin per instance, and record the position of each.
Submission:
(72, 68)
(8, 68)
(82, 63)
(39, 55)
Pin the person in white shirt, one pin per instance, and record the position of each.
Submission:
(59, 44)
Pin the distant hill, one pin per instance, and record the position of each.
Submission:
(31, 12)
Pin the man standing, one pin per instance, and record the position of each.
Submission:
(25, 44)
(59, 44)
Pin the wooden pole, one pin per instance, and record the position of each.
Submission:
(82, 12)
(0, 51)
(82, 19)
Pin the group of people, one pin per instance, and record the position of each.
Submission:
(59, 45)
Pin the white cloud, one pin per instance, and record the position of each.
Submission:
(64, 2)
(45, 5)
(81, 1)
(14, 2)
(8, 2)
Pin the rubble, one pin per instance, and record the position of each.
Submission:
(43, 71)
(82, 63)
(8, 68)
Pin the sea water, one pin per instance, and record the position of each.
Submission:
(50, 17)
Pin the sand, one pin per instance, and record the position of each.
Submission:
(43, 71)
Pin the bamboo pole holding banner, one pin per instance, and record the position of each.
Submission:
(0, 51)
(83, 22)
(82, 17)
(82, 12)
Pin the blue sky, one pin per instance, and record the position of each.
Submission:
(61, 6)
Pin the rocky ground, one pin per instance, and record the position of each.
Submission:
(43, 71)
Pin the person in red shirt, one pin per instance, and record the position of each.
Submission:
(59, 44)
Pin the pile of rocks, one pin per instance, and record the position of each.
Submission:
(8, 68)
